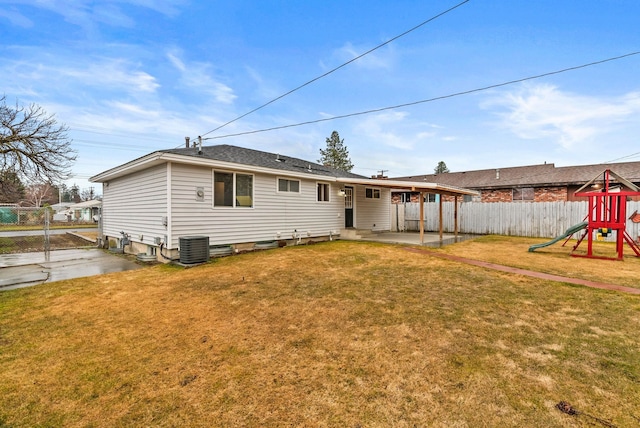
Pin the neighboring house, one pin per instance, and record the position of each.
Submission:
(61, 212)
(61, 206)
(535, 183)
(87, 211)
(237, 196)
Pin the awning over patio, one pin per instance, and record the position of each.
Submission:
(433, 188)
(410, 186)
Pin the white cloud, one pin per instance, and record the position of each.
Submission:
(265, 89)
(380, 58)
(68, 75)
(198, 75)
(85, 13)
(111, 73)
(16, 18)
(165, 7)
(177, 62)
(112, 15)
(543, 111)
(394, 129)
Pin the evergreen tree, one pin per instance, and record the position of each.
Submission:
(441, 168)
(336, 154)
(74, 193)
(11, 188)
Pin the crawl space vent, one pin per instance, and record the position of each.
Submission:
(194, 249)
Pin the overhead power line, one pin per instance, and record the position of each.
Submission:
(632, 155)
(456, 94)
(338, 67)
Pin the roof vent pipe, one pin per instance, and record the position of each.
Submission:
(186, 142)
(497, 174)
(199, 145)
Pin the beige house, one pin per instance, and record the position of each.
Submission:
(238, 197)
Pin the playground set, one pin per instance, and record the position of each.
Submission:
(607, 215)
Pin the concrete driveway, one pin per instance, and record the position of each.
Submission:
(26, 269)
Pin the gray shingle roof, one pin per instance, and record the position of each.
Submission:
(241, 155)
(532, 175)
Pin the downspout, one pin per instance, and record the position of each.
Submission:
(168, 228)
(440, 215)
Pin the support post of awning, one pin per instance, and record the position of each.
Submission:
(421, 218)
(440, 215)
(455, 216)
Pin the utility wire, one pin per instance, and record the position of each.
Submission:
(624, 157)
(112, 134)
(338, 67)
(456, 94)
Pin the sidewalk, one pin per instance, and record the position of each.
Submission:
(533, 274)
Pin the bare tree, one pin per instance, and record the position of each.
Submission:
(88, 194)
(33, 144)
(39, 193)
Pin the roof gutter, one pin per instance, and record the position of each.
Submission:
(410, 186)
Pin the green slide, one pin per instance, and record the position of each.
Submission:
(573, 229)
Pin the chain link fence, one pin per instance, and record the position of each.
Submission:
(28, 229)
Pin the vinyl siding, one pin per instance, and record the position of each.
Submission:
(275, 215)
(136, 204)
(371, 213)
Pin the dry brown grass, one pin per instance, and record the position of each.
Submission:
(334, 334)
(554, 259)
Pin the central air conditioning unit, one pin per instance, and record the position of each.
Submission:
(194, 249)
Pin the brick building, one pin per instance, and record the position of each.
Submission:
(533, 183)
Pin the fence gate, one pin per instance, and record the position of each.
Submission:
(29, 229)
(46, 226)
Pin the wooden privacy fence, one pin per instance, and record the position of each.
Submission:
(530, 219)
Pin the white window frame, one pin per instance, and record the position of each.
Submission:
(326, 193)
(288, 191)
(235, 189)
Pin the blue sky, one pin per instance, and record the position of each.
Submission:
(131, 77)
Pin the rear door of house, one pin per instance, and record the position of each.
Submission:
(348, 207)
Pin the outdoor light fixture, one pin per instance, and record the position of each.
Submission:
(342, 192)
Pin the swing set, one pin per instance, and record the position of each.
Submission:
(607, 213)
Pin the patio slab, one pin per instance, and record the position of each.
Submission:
(413, 238)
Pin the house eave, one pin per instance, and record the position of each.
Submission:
(411, 186)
